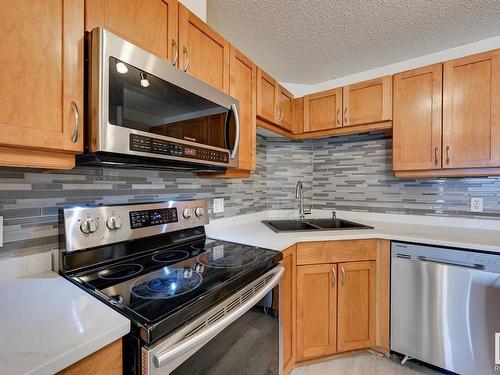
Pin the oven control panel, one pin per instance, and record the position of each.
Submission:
(163, 147)
(87, 227)
(148, 218)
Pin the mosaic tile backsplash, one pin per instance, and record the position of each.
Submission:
(348, 173)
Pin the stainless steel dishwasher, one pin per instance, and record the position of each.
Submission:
(445, 307)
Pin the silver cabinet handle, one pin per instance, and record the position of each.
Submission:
(282, 114)
(237, 132)
(447, 155)
(204, 335)
(343, 275)
(76, 120)
(436, 156)
(186, 53)
(334, 278)
(338, 118)
(277, 113)
(176, 50)
(345, 116)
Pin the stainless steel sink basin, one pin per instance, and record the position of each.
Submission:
(312, 225)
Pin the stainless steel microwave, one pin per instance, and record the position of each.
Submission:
(143, 112)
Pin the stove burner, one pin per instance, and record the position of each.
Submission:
(218, 257)
(120, 271)
(166, 283)
(171, 256)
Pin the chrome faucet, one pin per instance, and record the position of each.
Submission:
(299, 194)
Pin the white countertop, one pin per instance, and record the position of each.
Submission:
(474, 234)
(46, 322)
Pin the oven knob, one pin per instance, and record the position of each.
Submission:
(114, 222)
(186, 213)
(199, 211)
(89, 225)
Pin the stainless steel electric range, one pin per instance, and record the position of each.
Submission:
(190, 299)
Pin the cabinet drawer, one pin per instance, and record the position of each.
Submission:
(336, 251)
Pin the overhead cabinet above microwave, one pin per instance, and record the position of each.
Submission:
(145, 113)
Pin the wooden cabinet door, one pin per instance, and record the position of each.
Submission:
(471, 111)
(322, 110)
(41, 75)
(287, 308)
(356, 305)
(106, 361)
(203, 52)
(417, 119)
(151, 24)
(242, 86)
(267, 97)
(367, 102)
(316, 310)
(285, 108)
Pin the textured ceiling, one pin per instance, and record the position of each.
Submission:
(312, 41)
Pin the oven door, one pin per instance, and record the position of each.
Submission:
(239, 336)
(135, 95)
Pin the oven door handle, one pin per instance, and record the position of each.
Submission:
(205, 335)
(234, 152)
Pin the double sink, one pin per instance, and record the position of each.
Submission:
(312, 225)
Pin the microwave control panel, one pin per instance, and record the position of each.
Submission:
(162, 147)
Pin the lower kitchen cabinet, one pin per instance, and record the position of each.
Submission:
(316, 310)
(342, 298)
(356, 305)
(106, 361)
(287, 309)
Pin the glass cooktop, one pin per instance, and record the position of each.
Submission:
(178, 281)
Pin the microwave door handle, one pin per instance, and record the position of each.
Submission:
(234, 152)
(204, 335)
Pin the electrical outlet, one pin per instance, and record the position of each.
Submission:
(218, 205)
(476, 205)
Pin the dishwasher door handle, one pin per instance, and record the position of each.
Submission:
(448, 263)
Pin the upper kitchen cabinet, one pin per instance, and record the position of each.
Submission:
(417, 118)
(267, 100)
(471, 111)
(467, 142)
(151, 24)
(368, 102)
(285, 101)
(242, 86)
(322, 111)
(203, 52)
(41, 101)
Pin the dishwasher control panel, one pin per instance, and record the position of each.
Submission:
(446, 256)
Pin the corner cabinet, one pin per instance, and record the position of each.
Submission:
(151, 24)
(41, 101)
(202, 51)
(342, 298)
